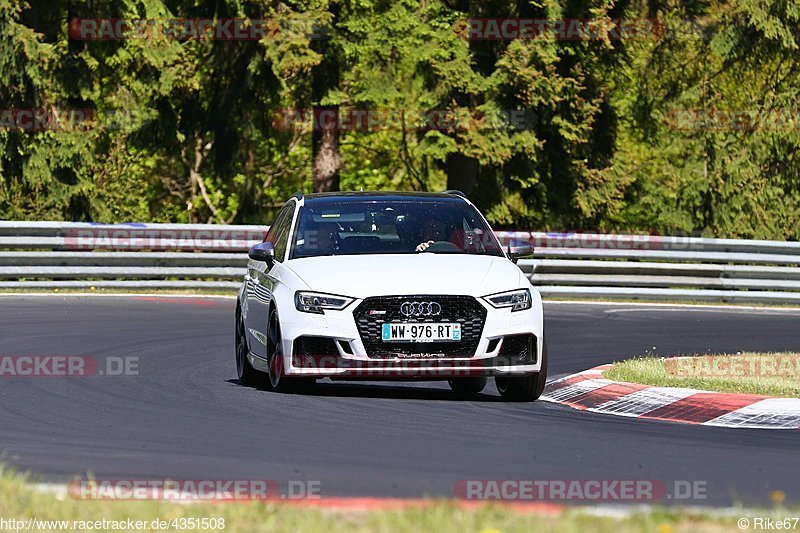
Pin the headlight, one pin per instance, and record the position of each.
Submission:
(518, 300)
(315, 302)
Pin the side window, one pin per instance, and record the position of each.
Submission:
(279, 231)
(274, 228)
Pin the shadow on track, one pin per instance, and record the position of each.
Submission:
(377, 389)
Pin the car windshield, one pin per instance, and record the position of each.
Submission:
(391, 227)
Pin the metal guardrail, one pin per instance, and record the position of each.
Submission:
(42, 255)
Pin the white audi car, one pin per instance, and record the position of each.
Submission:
(379, 285)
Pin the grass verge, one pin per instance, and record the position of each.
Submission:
(19, 500)
(770, 374)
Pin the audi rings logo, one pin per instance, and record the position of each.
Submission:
(421, 308)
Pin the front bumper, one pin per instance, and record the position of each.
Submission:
(345, 356)
(412, 369)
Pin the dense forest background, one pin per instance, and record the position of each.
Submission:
(621, 134)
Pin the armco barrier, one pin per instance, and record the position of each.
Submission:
(42, 255)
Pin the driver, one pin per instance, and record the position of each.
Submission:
(325, 239)
(432, 230)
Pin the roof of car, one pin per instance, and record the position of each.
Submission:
(322, 197)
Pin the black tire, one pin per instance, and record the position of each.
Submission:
(277, 377)
(526, 388)
(467, 387)
(244, 371)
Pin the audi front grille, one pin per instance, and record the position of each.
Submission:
(375, 311)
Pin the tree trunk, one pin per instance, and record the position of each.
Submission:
(462, 172)
(326, 158)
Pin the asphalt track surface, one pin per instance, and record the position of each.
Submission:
(185, 416)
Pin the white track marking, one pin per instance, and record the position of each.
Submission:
(643, 401)
(576, 389)
(772, 413)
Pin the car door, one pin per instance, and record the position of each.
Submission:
(259, 284)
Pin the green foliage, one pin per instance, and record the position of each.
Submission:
(185, 129)
(710, 176)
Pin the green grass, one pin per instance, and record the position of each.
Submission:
(20, 501)
(746, 373)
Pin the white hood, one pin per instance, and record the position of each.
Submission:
(360, 276)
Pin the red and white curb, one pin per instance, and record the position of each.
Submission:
(589, 391)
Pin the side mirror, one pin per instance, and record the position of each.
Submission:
(517, 252)
(263, 251)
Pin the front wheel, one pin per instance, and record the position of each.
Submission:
(277, 376)
(526, 388)
(467, 387)
(244, 370)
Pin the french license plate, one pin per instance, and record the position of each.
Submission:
(447, 331)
